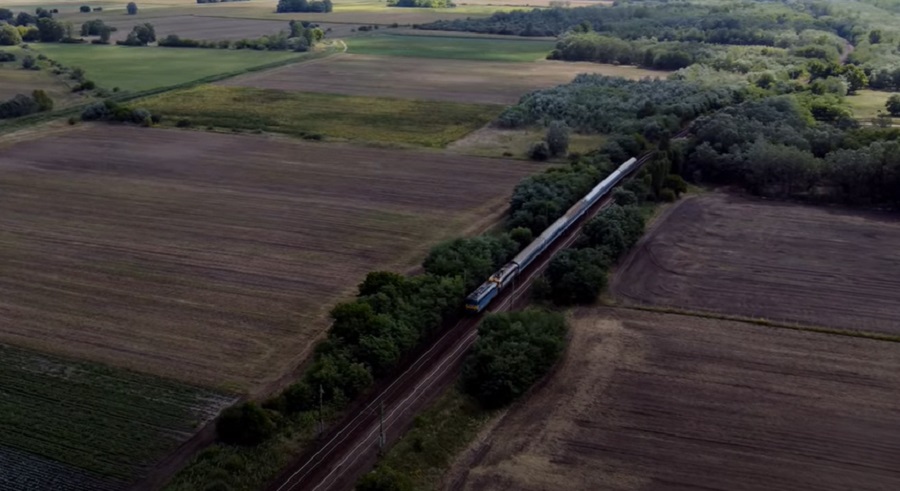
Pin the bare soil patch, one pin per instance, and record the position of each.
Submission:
(827, 267)
(649, 401)
(425, 78)
(213, 258)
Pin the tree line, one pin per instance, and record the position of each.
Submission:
(323, 6)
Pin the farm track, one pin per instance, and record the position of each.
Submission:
(647, 401)
(351, 447)
(826, 267)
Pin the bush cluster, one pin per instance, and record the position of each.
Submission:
(512, 352)
(112, 111)
(23, 105)
(323, 6)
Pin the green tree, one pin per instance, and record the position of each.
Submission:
(85, 9)
(6, 15)
(51, 31)
(539, 151)
(247, 424)
(28, 62)
(893, 105)
(557, 138)
(522, 236)
(9, 35)
(856, 78)
(875, 36)
(131, 8)
(44, 102)
(577, 276)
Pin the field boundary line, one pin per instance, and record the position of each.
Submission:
(759, 321)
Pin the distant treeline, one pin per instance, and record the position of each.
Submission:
(322, 6)
(429, 4)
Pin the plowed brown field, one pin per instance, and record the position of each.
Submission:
(649, 401)
(428, 78)
(213, 258)
(726, 254)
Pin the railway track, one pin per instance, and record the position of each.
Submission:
(353, 446)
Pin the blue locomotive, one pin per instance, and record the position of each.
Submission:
(482, 296)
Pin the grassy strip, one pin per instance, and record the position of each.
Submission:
(122, 97)
(764, 322)
(314, 115)
(427, 450)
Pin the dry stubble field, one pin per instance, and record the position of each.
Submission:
(646, 401)
(426, 78)
(201, 28)
(822, 266)
(213, 258)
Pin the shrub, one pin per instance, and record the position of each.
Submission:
(96, 111)
(9, 35)
(539, 151)
(557, 138)
(131, 8)
(44, 102)
(4, 56)
(667, 195)
(522, 236)
(72, 120)
(577, 276)
(513, 351)
(19, 105)
(624, 197)
(29, 63)
(893, 105)
(85, 9)
(385, 478)
(247, 424)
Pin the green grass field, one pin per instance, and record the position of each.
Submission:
(137, 69)
(106, 421)
(368, 119)
(866, 104)
(452, 47)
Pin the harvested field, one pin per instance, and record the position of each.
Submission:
(649, 401)
(822, 266)
(202, 27)
(442, 80)
(452, 47)
(213, 258)
(89, 425)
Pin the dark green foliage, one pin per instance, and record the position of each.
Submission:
(304, 6)
(43, 13)
(24, 19)
(676, 184)
(300, 397)
(624, 197)
(6, 15)
(131, 8)
(96, 111)
(9, 35)
(51, 31)
(598, 104)
(94, 28)
(44, 102)
(19, 105)
(140, 35)
(893, 105)
(557, 138)
(4, 57)
(614, 230)
(577, 276)
(539, 151)
(540, 199)
(471, 258)
(598, 48)
(512, 352)
(246, 424)
(85, 9)
(384, 479)
(29, 63)
(521, 236)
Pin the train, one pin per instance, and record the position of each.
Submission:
(479, 299)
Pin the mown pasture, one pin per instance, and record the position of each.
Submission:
(101, 426)
(867, 104)
(644, 400)
(214, 257)
(382, 121)
(435, 79)
(137, 69)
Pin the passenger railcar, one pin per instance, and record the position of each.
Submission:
(481, 297)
